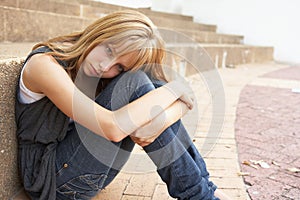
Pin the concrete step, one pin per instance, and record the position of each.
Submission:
(230, 55)
(65, 8)
(95, 9)
(179, 24)
(111, 7)
(10, 50)
(9, 179)
(31, 25)
(87, 11)
(221, 55)
(182, 36)
(159, 18)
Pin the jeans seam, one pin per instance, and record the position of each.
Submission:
(180, 181)
(68, 161)
(94, 186)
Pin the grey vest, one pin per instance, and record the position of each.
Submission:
(40, 126)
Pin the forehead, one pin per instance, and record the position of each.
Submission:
(127, 52)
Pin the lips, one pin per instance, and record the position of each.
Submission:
(94, 71)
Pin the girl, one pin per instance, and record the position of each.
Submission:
(76, 131)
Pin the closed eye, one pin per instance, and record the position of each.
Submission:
(109, 51)
(120, 68)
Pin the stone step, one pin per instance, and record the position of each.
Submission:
(182, 36)
(31, 25)
(162, 19)
(65, 8)
(98, 9)
(211, 37)
(111, 7)
(9, 50)
(221, 55)
(230, 55)
(179, 24)
(9, 180)
(159, 18)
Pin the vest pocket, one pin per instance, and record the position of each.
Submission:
(83, 186)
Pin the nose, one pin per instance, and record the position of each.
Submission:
(105, 65)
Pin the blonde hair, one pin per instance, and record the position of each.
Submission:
(116, 29)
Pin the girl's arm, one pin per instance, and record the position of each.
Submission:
(44, 75)
(156, 101)
(149, 132)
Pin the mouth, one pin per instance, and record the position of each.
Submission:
(94, 71)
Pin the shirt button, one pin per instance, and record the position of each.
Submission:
(65, 165)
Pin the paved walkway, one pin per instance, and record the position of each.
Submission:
(249, 89)
(268, 135)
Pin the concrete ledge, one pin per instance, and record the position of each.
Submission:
(65, 8)
(212, 37)
(112, 7)
(223, 55)
(231, 55)
(27, 25)
(179, 24)
(200, 37)
(83, 8)
(9, 179)
(9, 50)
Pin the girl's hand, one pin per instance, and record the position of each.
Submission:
(144, 141)
(150, 131)
(181, 89)
(188, 100)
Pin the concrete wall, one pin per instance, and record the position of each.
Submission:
(9, 179)
(268, 22)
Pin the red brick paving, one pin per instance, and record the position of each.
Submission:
(292, 72)
(268, 128)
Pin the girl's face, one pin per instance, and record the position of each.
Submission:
(102, 62)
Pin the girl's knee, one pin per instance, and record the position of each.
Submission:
(134, 79)
(124, 89)
(133, 85)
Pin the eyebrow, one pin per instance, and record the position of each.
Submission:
(113, 49)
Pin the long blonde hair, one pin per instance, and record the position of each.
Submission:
(116, 29)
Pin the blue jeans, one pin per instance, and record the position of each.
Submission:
(87, 163)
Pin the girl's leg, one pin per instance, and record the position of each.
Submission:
(180, 165)
(183, 136)
(124, 89)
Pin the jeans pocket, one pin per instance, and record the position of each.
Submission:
(83, 186)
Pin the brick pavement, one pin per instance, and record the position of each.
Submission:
(268, 130)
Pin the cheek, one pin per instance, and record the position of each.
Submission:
(111, 73)
(84, 68)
